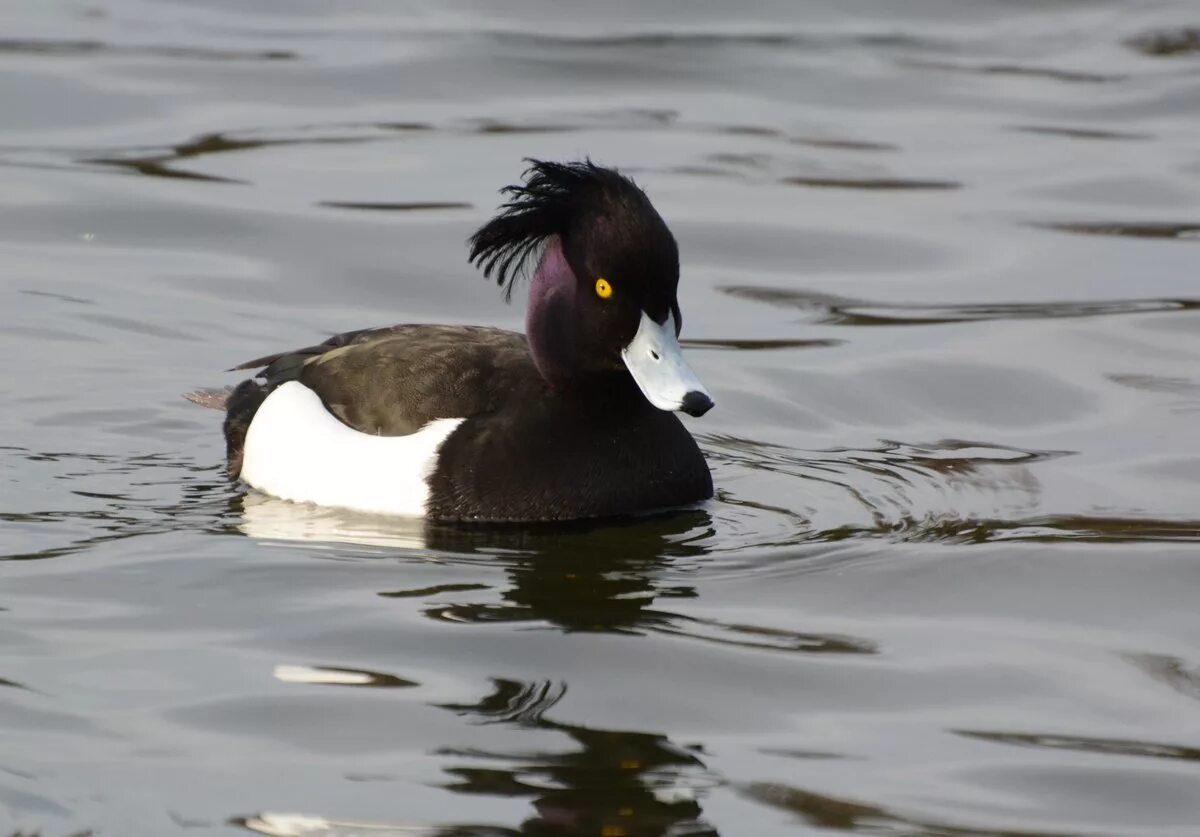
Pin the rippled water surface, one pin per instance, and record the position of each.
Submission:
(941, 272)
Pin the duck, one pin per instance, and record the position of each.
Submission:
(576, 419)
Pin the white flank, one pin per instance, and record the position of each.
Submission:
(297, 450)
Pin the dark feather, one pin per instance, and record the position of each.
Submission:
(549, 202)
(241, 406)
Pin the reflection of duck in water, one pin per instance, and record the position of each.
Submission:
(605, 781)
(269, 518)
(609, 581)
(575, 420)
(606, 581)
(618, 782)
(602, 782)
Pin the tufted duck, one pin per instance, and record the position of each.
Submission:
(575, 419)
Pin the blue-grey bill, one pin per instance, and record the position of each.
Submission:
(656, 363)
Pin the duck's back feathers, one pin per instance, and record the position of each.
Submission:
(392, 381)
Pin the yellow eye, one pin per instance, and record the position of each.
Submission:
(603, 289)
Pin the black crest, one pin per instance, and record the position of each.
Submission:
(550, 202)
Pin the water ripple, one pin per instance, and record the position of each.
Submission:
(1082, 133)
(409, 206)
(54, 47)
(830, 812)
(513, 702)
(123, 498)
(763, 639)
(1105, 746)
(885, 184)
(1020, 70)
(338, 676)
(1173, 671)
(1179, 230)
(901, 41)
(1167, 43)
(952, 491)
(845, 311)
(611, 781)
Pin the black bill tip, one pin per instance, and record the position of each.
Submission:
(696, 403)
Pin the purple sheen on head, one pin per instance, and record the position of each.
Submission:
(548, 318)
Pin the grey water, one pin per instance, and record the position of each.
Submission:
(941, 272)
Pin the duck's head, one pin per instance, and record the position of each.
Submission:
(603, 299)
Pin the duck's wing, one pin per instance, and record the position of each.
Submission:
(392, 381)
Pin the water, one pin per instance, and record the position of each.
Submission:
(940, 272)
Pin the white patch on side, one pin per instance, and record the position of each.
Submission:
(297, 450)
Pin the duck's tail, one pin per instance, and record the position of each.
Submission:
(240, 403)
(213, 399)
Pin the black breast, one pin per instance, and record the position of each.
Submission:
(562, 458)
